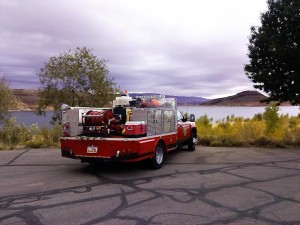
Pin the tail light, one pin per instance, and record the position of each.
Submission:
(65, 129)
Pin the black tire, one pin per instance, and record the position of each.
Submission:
(191, 143)
(158, 160)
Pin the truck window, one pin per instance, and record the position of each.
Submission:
(179, 116)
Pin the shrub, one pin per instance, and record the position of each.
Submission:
(205, 140)
(258, 116)
(262, 141)
(272, 118)
(251, 130)
(267, 129)
(14, 135)
(55, 133)
(37, 141)
(11, 133)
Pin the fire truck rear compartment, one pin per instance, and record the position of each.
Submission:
(110, 149)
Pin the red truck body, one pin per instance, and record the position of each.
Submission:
(132, 130)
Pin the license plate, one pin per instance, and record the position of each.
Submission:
(92, 149)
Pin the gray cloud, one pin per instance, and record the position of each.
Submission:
(171, 47)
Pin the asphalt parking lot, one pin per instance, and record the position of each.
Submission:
(209, 186)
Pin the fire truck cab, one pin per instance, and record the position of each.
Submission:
(146, 127)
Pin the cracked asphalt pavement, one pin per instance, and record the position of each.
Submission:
(209, 186)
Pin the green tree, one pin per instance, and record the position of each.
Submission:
(76, 78)
(274, 52)
(7, 99)
(272, 118)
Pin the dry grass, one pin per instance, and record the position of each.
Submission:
(268, 130)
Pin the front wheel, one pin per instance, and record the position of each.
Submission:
(192, 141)
(158, 160)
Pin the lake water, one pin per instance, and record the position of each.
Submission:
(215, 112)
(29, 118)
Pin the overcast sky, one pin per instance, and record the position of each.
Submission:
(180, 47)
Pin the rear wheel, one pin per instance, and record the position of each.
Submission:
(192, 141)
(158, 160)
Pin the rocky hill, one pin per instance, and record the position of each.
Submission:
(245, 98)
(27, 99)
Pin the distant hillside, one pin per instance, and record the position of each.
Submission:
(27, 99)
(245, 98)
(181, 100)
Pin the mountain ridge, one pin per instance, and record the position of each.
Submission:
(244, 98)
(27, 99)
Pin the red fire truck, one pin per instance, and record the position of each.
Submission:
(146, 127)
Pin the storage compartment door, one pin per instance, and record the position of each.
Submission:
(154, 124)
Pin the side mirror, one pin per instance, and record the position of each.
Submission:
(192, 118)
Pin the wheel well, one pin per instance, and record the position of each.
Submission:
(163, 144)
(194, 130)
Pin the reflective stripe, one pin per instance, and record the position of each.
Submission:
(147, 141)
